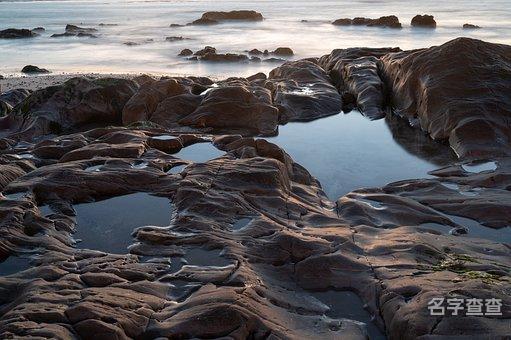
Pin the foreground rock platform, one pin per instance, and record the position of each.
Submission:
(253, 248)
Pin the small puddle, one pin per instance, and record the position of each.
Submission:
(480, 167)
(107, 225)
(177, 169)
(15, 196)
(475, 229)
(199, 257)
(199, 152)
(453, 186)
(348, 151)
(95, 168)
(241, 223)
(14, 264)
(164, 137)
(140, 165)
(347, 305)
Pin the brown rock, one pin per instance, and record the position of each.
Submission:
(465, 114)
(423, 21)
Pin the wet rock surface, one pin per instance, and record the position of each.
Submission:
(232, 237)
(466, 115)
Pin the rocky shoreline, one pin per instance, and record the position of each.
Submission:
(255, 249)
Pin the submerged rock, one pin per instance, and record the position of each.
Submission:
(423, 21)
(470, 26)
(458, 92)
(224, 57)
(185, 52)
(175, 38)
(77, 31)
(283, 51)
(34, 69)
(14, 33)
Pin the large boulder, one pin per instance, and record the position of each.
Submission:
(77, 102)
(458, 91)
(303, 91)
(14, 33)
(235, 107)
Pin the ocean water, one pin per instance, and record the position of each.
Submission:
(147, 22)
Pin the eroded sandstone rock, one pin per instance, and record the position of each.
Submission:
(473, 114)
(303, 91)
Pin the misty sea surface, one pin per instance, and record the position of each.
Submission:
(147, 23)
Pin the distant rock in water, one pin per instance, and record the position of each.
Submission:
(283, 51)
(34, 69)
(470, 26)
(390, 21)
(76, 31)
(233, 15)
(38, 29)
(175, 38)
(224, 57)
(185, 52)
(458, 91)
(210, 53)
(14, 33)
(176, 25)
(423, 21)
(210, 18)
(205, 50)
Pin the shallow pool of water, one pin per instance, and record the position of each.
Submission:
(199, 152)
(345, 304)
(107, 225)
(347, 151)
(14, 264)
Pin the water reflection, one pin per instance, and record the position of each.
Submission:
(107, 225)
(347, 151)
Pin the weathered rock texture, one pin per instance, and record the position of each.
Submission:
(355, 72)
(254, 248)
(457, 91)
